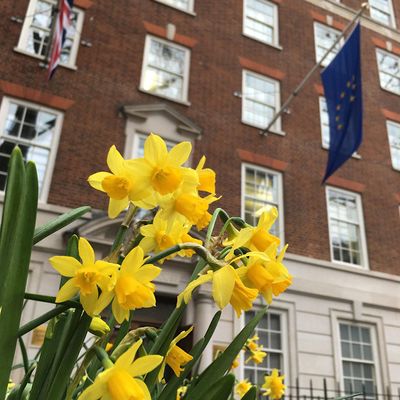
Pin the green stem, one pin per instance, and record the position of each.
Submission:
(42, 319)
(211, 226)
(24, 354)
(50, 299)
(123, 228)
(103, 357)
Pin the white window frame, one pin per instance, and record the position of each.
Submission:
(276, 128)
(397, 125)
(379, 69)
(24, 36)
(189, 9)
(375, 353)
(392, 23)
(285, 333)
(316, 46)
(185, 85)
(4, 108)
(363, 242)
(281, 216)
(275, 27)
(322, 100)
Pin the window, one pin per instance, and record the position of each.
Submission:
(347, 237)
(358, 365)
(324, 37)
(260, 21)
(165, 69)
(35, 130)
(260, 100)
(382, 11)
(324, 117)
(262, 188)
(138, 147)
(389, 72)
(35, 34)
(394, 143)
(185, 5)
(270, 332)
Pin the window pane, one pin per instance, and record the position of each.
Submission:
(260, 20)
(325, 37)
(394, 143)
(381, 11)
(389, 72)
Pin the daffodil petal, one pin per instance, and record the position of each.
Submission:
(115, 161)
(96, 180)
(119, 313)
(147, 244)
(103, 301)
(145, 364)
(180, 153)
(94, 391)
(147, 273)
(155, 149)
(143, 386)
(181, 336)
(243, 237)
(116, 206)
(223, 284)
(86, 252)
(106, 267)
(89, 301)
(133, 261)
(67, 291)
(186, 294)
(126, 359)
(65, 265)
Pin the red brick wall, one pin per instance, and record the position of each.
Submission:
(108, 76)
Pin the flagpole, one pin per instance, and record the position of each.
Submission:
(55, 13)
(364, 6)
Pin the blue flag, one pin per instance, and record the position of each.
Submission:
(342, 86)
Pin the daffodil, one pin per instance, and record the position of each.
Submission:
(176, 357)
(120, 382)
(133, 287)
(252, 344)
(257, 238)
(206, 177)
(257, 356)
(273, 385)
(86, 277)
(266, 273)
(98, 327)
(162, 170)
(227, 288)
(235, 363)
(121, 185)
(243, 387)
(181, 392)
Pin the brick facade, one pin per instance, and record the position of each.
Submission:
(108, 77)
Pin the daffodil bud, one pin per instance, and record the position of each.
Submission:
(98, 327)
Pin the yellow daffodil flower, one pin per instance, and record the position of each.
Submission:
(257, 356)
(186, 238)
(252, 344)
(133, 287)
(86, 277)
(273, 385)
(206, 177)
(257, 238)
(176, 357)
(235, 363)
(98, 327)
(266, 273)
(227, 287)
(119, 382)
(161, 169)
(121, 185)
(243, 387)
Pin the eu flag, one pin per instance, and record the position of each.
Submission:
(342, 86)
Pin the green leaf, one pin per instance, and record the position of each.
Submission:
(224, 362)
(221, 389)
(251, 394)
(58, 223)
(17, 258)
(169, 391)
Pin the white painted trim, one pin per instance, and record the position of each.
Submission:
(186, 73)
(53, 145)
(23, 38)
(275, 39)
(378, 50)
(397, 125)
(363, 245)
(277, 128)
(278, 174)
(188, 10)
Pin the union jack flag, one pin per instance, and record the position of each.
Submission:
(63, 22)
